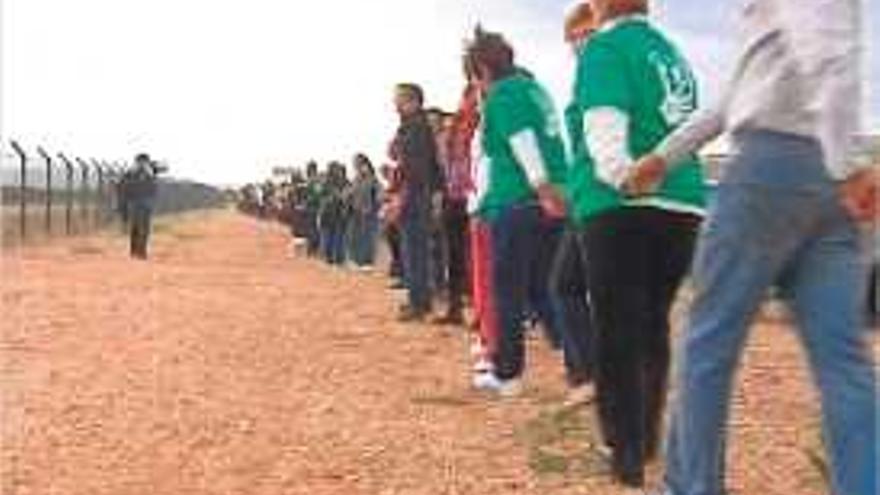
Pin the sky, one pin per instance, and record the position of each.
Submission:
(225, 90)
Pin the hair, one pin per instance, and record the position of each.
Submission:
(492, 51)
(413, 90)
(142, 157)
(626, 7)
(362, 159)
(577, 14)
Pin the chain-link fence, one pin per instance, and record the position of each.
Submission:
(45, 194)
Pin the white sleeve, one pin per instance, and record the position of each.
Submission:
(696, 132)
(824, 36)
(606, 132)
(528, 153)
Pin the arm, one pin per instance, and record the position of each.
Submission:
(700, 129)
(527, 152)
(606, 133)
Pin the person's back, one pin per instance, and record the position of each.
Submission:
(631, 67)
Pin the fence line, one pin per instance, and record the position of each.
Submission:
(45, 195)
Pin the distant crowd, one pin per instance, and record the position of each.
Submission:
(496, 221)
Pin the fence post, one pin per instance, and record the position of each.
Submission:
(83, 193)
(68, 214)
(22, 188)
(99, 193)
(48, 160)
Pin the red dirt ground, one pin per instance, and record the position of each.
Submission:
(227, 366)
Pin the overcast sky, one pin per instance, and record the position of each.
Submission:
(226, 89)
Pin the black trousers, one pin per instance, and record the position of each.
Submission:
(456, 221)
(392, 236)
(568, 294)
(140, 217)
(638, 258)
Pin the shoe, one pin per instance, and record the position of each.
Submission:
(579, 395)
(483, 365)
(453, 318)
(408, 314)
(491, 383)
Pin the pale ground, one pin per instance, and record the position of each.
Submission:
(226, 366)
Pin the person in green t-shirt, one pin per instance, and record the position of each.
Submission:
(525, 164)
(632, 89)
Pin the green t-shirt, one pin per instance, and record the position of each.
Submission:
(635, 69)
(515, 104)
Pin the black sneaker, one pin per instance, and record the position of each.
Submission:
(408, 314)
(452, 318)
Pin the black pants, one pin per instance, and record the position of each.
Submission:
(140, 217)
(392, 236)
(455, 220)
(568, 293)
(873, 301)
(638, 258)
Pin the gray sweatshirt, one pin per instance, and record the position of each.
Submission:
(799, 71)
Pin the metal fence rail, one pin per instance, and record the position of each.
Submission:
(45, 195)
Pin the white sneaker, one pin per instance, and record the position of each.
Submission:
(477, 350)
(578, 396)
(491, 383)
(483, 365)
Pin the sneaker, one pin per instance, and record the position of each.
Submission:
(579, 396)
(453, 318)
(491, 383)
(408, 314)
(483, 365)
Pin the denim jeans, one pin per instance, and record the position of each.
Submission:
(415, 229)
(776, 221)
(363, 231)
(333, 242)
(521, 236)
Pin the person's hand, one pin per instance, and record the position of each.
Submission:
(551, 201)
(858, 194)
(646, 176)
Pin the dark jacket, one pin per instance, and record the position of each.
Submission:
(139, 186)
(416, 151)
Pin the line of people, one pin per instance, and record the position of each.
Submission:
(337, 218)
(594, 242)
(590, 236)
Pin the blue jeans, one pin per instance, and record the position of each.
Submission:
(333, 242)
(364, 228)
(521, 238)
(415, 225)
(776, 221)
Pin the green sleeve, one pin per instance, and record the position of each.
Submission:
(603, 79)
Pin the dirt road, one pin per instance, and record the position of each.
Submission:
(226, 366)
